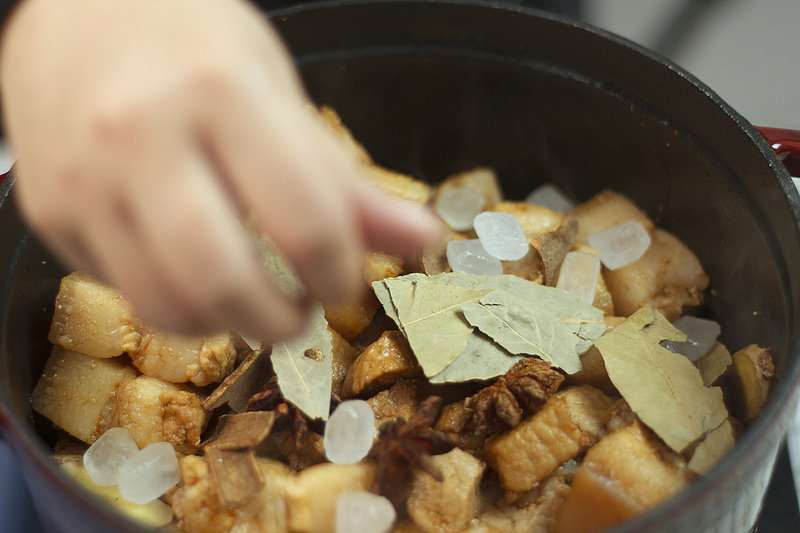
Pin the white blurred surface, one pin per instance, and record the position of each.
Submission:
(745, 50)
(6, 159)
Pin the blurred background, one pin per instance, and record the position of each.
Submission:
(747, 51)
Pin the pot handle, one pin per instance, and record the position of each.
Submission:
(786, 144)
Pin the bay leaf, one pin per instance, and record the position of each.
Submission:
(714, 363)
(587, 320)
(385, 298)
(482, 358)
(712, 448)
(306, 381)
(523, 328)
(665, 389)
(429, 313)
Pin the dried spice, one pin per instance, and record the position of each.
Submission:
(241, 384)
(306, 379)
(236, 475)
(271, 399)
(663, 388)
(231, 457)
(430, 317)
(402, 445)
(482, 359)
(523, 389)
(440, 316)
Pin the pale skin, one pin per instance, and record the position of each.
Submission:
(146, 132)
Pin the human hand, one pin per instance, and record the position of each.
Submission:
(146, 131)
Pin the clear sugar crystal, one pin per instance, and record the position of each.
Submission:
(103, 458)
(551, 197)
(458, 206)
(363, 512)
(620, 245)
(501, 235)
(579, 274)
(149, 473)
(470, 256)
(700, 335)
(349, 432)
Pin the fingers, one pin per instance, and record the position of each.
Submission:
(394, 225)
(293, 182)
(193, 248)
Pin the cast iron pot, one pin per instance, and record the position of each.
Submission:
(433, 88)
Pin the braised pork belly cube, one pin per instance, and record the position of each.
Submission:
(549, 232)
(78, 392)
(93, 319)
(153, 411)
(482, 180)
(668, 277)
(199, 507)
(312, 494)
(380, 364)
(533, 512)
(399, 185)
(343, 355)
(569, 423)
(449, 504)
(607, 208)
(398, 401)
(625, 474)
(180, 359)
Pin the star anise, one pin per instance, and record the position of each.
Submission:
(270, 398)
(523, 389)
(402, 445)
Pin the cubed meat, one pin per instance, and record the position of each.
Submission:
(153, 410)
(178, 359)
(343, 355)
(607, 208)
(93, 319)
(78, 392)
(399, 400)
(533, 512)
(482, 180)
(668, 277)
(199, 508)
(569, 423)
(313, 493)
(380, 364)
(399, 185)
(625, 474)
(551, 233)
(447, 506)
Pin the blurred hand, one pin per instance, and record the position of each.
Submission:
(146, 131)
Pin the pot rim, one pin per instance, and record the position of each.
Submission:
(783, 398)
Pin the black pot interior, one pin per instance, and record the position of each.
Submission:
(435, 88)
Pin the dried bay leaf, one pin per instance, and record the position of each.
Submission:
(429, 314)
(521, 327)
(306, 381)
(482, 358)
(587, 320)
(714, 363)
(712, 448)
(385, 298)
(663, 388)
